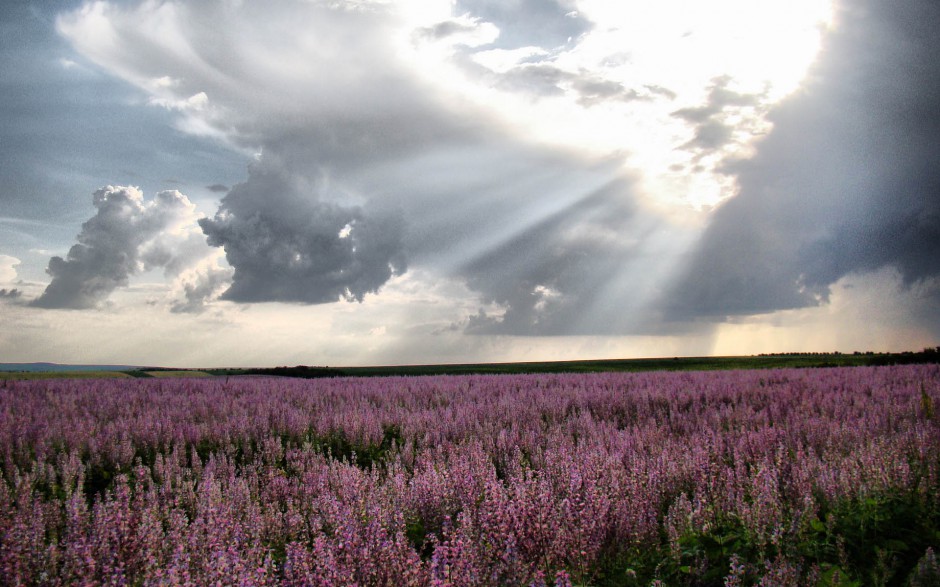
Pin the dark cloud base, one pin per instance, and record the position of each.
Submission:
(286, 245)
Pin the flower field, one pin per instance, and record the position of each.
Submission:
(782, 477)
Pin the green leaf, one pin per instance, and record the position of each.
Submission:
(896, 545)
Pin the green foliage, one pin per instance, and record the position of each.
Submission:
(835, 576)
(881, 537)
(878, 540)
(417, 534)
(99, 478)
(337, 445)
(926, 403)
(634, 570)
(927, 571)
(301, 371)
(138, 373)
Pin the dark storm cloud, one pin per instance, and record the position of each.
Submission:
(10, 294)
(286, 244)
(118, 242)
(525, 23)
(846, 182)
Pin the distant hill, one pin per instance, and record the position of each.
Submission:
(49, 367)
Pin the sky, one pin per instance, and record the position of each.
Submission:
(364, 182)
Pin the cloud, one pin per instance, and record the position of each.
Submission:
(10, 294)
(461, 30)
(291, 232)
(524, 23)
(539, 79)
(254, 86)
(506, 166)
(856, 318)
(378, 166)
(199, 285)
(286, 244)
(127, 235)
(8, 268)
(327, 212)
(537, 74)
(710, 121)
(521, 159)
(846, 182)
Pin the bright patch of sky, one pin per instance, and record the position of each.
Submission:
(617, 88)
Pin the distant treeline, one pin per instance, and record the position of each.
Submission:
(302, 371)
(928, 355)
(763, 361)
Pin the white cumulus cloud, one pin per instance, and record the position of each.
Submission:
(8, 268)
(126, 236)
